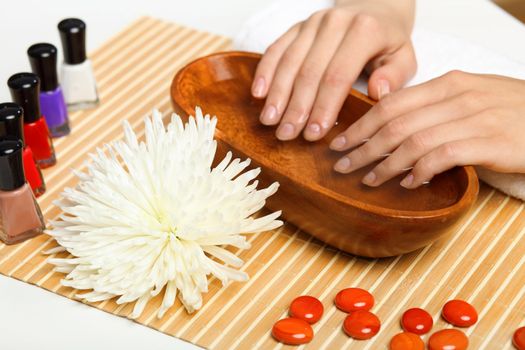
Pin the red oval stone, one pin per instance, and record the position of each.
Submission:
(361, 324)
(519, 338)
(417, 321)
(448, 339)
(292, 331)
(353, 299)
(459, 313)
(406, 341)
(306, 308)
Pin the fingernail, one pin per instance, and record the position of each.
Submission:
(338, 143)
(407, 181)
(269, 115)
(383, 89)
(285, 132)
(343, 165)
(313, 131)
(258, 87)
(369, 178)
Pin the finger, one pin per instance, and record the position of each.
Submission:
(268, 63)
(328, 39)
(392, 72)
(287, 68)
(421, 143)
(395, 132)
(346, 65)
(402, 102)
(477, 151)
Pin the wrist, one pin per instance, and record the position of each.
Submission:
(404, 9)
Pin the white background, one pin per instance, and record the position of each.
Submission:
(32, 318)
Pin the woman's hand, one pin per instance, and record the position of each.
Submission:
(456, 119)
(307, 73)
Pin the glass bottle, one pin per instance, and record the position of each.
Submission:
(20, 215)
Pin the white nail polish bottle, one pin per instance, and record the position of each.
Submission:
(78, 81)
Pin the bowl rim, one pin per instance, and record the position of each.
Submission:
(463, 203)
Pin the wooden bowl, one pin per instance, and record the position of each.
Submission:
(337, 209)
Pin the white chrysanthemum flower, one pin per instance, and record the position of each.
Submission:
(151, 217)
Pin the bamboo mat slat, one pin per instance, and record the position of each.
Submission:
(482, 261)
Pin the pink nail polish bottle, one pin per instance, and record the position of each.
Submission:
(20, 215)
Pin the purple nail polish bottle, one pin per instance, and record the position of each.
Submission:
(43, 59)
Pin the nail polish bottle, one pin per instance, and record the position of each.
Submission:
(25, 89)
(20, 215)
(12, 127)
(43, 60)
(78, 81)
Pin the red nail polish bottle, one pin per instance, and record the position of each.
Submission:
(11, 127)
(25, 91)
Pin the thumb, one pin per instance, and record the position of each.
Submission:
(390, 73)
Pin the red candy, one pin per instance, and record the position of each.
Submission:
(459, 313)
(417, 321)
(519, 338)
(406, 341)
(361, 324)
(306, 308)
(448, 339)
(353, 299)
(292, 331)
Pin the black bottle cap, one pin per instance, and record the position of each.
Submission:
(25, 90)
(11, 166)
(11, 121)
(73, 37)
(43, 60)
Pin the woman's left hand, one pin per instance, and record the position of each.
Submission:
(456, 119)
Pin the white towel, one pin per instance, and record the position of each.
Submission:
(436, 55)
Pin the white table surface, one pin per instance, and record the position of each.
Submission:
(32, 318)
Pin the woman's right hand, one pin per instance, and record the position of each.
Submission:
(308, 72)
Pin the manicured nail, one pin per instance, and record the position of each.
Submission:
(369, 178)
(338, 143)
(407, 181)
(258, 87)
(313, 131)
(343, 165)
(285, 132)
(269, 115)
(383, 89)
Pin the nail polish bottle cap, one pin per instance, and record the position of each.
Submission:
(43, 60)
(73, 37)
(11, 165)
(11, 121)
(25, 90)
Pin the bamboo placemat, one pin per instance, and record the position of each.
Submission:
(482, 261)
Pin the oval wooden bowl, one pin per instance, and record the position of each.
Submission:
(337, 209)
